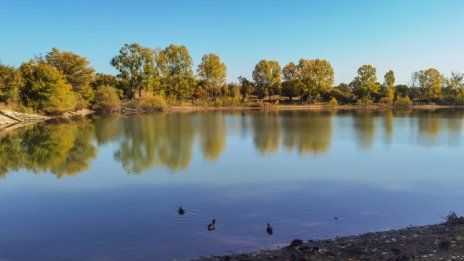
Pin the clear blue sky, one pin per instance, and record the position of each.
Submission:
(403, 35)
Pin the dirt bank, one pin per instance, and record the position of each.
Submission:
(434, 242)
(12, 119)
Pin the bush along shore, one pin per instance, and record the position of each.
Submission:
(434, 242)
(150, 79)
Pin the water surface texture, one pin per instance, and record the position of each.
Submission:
(109, 188)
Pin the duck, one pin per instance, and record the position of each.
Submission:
(269, 229)
(181, 211)
(212, 226)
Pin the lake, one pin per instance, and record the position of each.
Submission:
(109, 188)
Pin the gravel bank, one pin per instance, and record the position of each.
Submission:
(433, 242)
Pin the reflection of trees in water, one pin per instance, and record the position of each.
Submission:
(364, 125)
(11, 155)
(108, 128)
(156, 140)
(307, 132)
(166, 140)
(266, 131)
(388, 126)
(212, 135)
(430, 124)
(454, 121)
(61, 148)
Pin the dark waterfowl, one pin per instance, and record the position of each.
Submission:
(269, 229)
(181, 211)
(212, 226)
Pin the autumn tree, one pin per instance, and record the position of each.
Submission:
(46, 89)
(136, 65)
(429, 82)
(316, 77)
(291, 86)
(175, 67)
(389, 82)
(365, 84)
(77, 72)
(267, 77)
(10, 82)
(212, 72)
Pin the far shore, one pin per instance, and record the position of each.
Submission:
(13, 118)
(311, 107)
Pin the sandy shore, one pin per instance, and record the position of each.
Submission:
(433, 242)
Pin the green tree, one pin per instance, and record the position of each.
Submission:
(10, 82)
(291, 85)
(390, 86)
(102, 79)
(77, 72)
(267, 77)
(456, 80)
(343, 93)
(247, 87)
(365, 84)
(136, 65)
(316, 77)
(46, 89)
(213, 73)
(175, 66)
(430, 83)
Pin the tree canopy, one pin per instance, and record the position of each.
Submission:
(136, 65)
(267, 77)
(77, 72)
(212, 72)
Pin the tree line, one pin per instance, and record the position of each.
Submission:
(63, 81)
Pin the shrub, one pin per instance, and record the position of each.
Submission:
(333, 101)
(152, 102)
(453, 219)
(257, 104)
(227, 101)
(106, 99)
(404, 101)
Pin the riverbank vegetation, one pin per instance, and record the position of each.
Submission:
(152, 79)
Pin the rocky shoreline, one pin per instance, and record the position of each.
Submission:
(433, 242)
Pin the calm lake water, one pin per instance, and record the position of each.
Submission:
(109, 188)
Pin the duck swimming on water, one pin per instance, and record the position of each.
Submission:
(181, 211)
(269, 229)
(212, 226)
